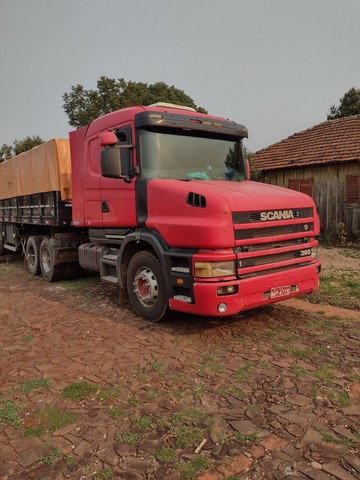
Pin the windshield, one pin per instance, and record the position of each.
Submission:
(189, 156)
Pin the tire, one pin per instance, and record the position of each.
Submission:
(49, 271)
(32, 254)
(2, 249)
(147, 287)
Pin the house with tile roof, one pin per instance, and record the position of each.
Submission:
(323, 162)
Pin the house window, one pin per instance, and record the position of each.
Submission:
(303, 185)
(353, 190)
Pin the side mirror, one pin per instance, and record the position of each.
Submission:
(108, 138)
(110, 161)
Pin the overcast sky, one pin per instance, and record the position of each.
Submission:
(275, 66)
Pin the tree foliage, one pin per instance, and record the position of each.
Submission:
(83, 106)
(349, 105)
(19, 146)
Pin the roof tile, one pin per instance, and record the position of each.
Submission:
(328, 142)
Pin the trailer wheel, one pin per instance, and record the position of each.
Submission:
(32, 254)
(2, 249)
(147, 287)
(49, 271)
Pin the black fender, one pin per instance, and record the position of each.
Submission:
(149, 237)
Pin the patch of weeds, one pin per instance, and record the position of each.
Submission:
(192, 468)
(177, 395)
(55, 454)
(253, 407)
(269, 334)
(242, 373)
(37, 384)
(79, 283)
(298, 371)
(68, 459)
(37, 431)
(314, 391)
(328, 438)
(103, 474)
(108, 394)
(209, 362)
(153, 393)
(50, 419)
(158, 367)
(247, 437)
(189, 427)
(116, 413)
(236, 392)
(144, 423)
(27, 339)
(343, 399)
(325, 374)
(321, 350)
(9, 413)
(199, 390)
(338, 288)
(133, 400)
(79, 391)
(166, 455)
(128, 437)
(188, 436)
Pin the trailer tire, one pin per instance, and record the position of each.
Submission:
(147, 287)
(49, 271)
(32, 254)
(2, 249)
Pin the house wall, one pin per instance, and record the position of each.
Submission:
(329, 192)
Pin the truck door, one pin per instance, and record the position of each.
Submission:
(118, 195)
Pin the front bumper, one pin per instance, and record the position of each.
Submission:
(253, 292)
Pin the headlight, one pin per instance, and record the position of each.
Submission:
(214, 269)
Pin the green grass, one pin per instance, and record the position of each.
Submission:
(242, 373)
(166, 455)
(10, 413)
(79, 391)
(246, 437)
(194, 467)
(338, 288)
(49, 419)
(27, 338)
(54, 455)
(128, 437)
(103, 474)
(143, 423)
(116, 413)
(108, 394)
(325, 374)
(30, 385)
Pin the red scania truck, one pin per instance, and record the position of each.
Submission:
(159, 200)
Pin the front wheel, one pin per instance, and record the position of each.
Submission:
(147, 287)
(49, 271)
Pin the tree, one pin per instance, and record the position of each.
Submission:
(83, 106)
(19, 146)
(5, 152)
(349, 105)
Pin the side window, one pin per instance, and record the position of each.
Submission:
(303, 185)
(124, 136)
(353, 190)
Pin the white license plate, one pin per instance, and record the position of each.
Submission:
(277, 292)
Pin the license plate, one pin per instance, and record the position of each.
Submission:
(277, 292)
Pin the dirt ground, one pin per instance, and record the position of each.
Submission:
(269, 394)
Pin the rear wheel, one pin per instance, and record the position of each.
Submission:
(2, 249)
(49, 271)
(147, 287)
(32, 254)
